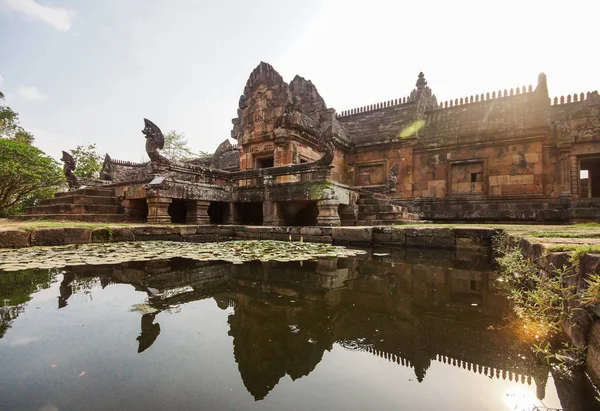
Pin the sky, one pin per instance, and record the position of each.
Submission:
(80, 71)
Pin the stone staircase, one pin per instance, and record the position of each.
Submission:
(377, 209)
(86, 204)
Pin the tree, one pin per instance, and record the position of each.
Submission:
(25, 172)
(9, 124)
(176, 147)
(88, 161)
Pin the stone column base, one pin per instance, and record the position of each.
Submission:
(158, 210)
(197, 212)
(328, 213)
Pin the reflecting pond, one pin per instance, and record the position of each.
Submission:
(390, 330)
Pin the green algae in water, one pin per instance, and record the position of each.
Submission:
(236, 252)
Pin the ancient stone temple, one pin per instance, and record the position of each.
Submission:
(507, 155)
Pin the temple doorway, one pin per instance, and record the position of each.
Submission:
(178, 211)
(217, 210)
(589, 178)
(249, 213)
(298, 213)
(265, 162)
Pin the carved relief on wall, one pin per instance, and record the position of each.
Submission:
(467, 178)
(392, 178)
(256, 148)
(370, 174)
(592, 124)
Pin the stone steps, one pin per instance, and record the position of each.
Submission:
(96, 218)
(81, 199)
(93, 204)
(379, 210)
(74, 209)
(99, 192)
(373, 201)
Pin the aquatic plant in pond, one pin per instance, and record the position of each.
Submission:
(540, 302)
(236, 252)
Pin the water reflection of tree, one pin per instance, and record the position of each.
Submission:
(16, 289)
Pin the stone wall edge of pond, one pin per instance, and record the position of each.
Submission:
(463, 238)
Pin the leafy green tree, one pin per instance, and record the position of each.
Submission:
(25, 172)
(88, 161)
(9, 124)
(177, 147)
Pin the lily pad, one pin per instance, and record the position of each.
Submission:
(236, 252)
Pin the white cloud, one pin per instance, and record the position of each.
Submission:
(57, 17)
(1, 80)
(19, 341)
(31, 93)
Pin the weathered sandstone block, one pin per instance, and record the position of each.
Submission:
(61, 236)
(352, 234)
(14, 238)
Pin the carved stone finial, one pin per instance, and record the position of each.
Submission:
(154, 141)
(107, 172)
(421, 82)
(68, 169)
(542, 85)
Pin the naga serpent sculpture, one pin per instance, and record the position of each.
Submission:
(154, 141)
(68, 169)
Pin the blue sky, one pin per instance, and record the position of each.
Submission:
(89, 71)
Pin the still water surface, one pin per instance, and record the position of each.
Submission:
(414, 330)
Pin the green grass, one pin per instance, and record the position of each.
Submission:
(563, 234)
(576, 249)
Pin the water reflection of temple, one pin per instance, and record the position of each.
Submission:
(410, 314)
(411, 309)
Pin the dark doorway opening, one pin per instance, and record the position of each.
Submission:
(589, 178)
(299, 213)
(249, 213)
(217, 210)
(265, 162)
(348, 214)
(136, 210)
(178, 211)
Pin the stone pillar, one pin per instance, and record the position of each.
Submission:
(231, 217)
(271, 214)
(270, 209)
(158, 210)
(565, 176)
(197, 212)
(574, 177)
(282, 155)
(328, 213)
